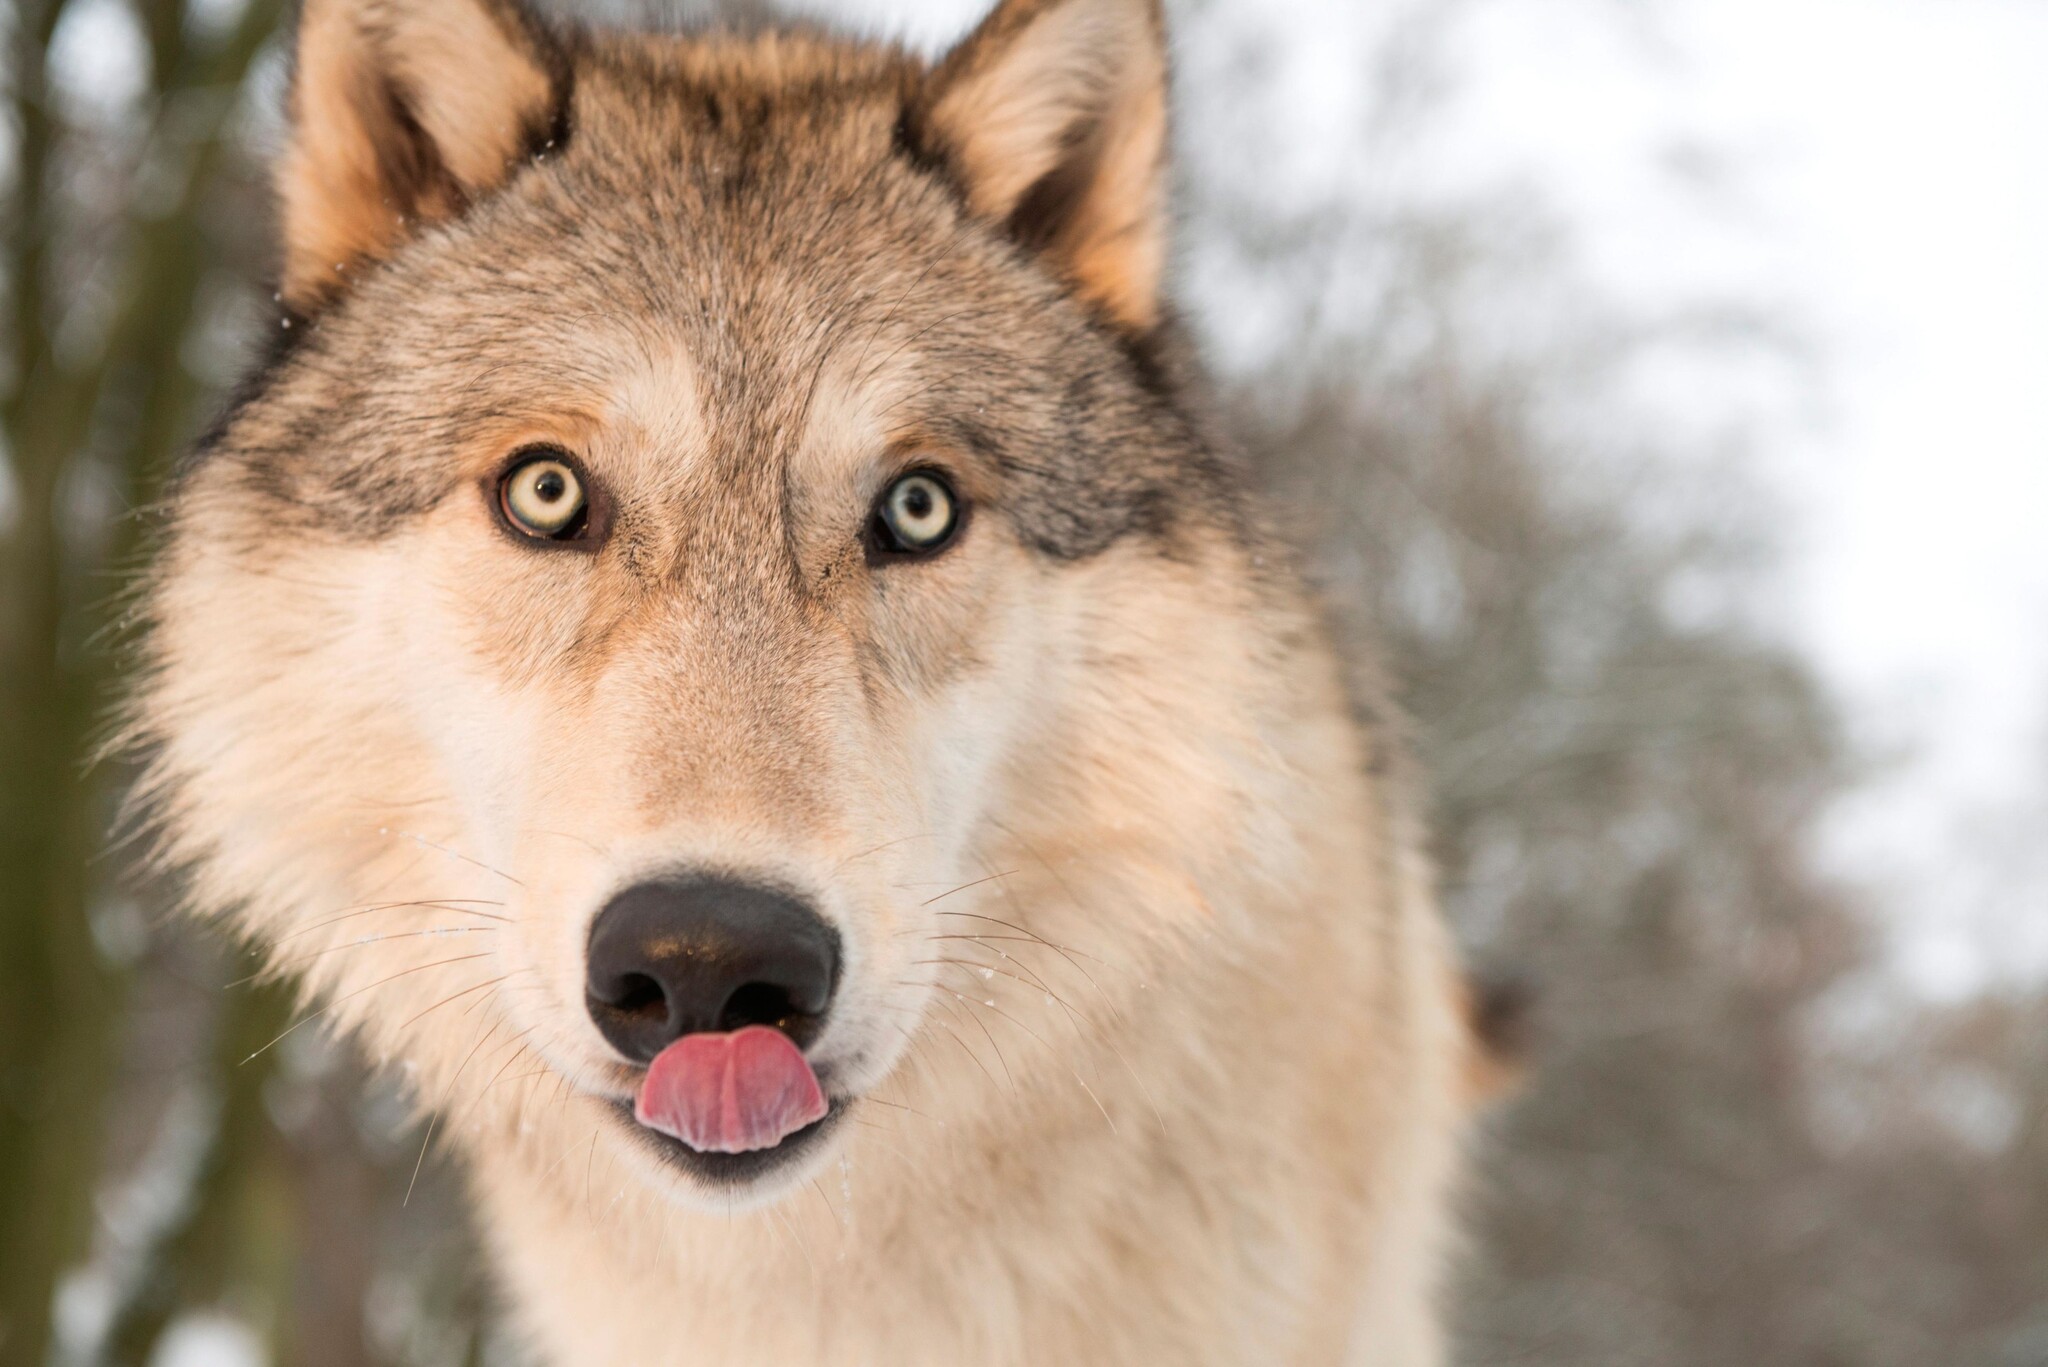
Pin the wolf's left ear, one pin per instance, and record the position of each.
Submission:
(403, 112)
(1052, 115)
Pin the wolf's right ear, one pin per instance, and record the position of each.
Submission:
(403, 112)
(1052, 116)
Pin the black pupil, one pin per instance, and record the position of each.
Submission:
(550, 486)
(917, 500)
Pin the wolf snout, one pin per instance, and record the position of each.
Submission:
(688, 955)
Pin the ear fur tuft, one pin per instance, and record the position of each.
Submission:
(403, 112)
(1052, 115)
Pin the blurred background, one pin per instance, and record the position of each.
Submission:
(1664, 382)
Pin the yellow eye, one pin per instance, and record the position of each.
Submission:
(918, 514)
(543, 496)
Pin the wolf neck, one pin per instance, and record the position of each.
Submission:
(1090, 1139)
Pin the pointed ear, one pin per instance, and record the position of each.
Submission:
(1052, 115)
(403, 112)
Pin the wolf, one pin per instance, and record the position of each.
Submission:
(726, 644)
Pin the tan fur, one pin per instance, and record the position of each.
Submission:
(354, 183)
(1046, 83)
(1151, 1036)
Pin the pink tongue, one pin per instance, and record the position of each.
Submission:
(732, 1093)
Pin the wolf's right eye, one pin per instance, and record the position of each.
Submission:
(543, 497)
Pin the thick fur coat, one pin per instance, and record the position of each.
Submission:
(1147, 1045)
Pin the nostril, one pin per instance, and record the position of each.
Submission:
(760, 1004)
(639, 995)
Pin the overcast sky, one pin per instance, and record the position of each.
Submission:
(1881, 170)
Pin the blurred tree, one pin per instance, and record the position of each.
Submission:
(1624, 770)
(106, 253)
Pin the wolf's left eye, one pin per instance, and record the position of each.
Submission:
(917, 515)
(543, 496)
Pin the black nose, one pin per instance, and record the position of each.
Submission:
(672, 958)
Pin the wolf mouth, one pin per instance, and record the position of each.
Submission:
(736, 1170)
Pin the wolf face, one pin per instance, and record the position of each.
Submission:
(722, 639)
(744, 469)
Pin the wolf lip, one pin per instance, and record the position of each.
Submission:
(733, 1092)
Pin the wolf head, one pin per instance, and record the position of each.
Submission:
(725, 545)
